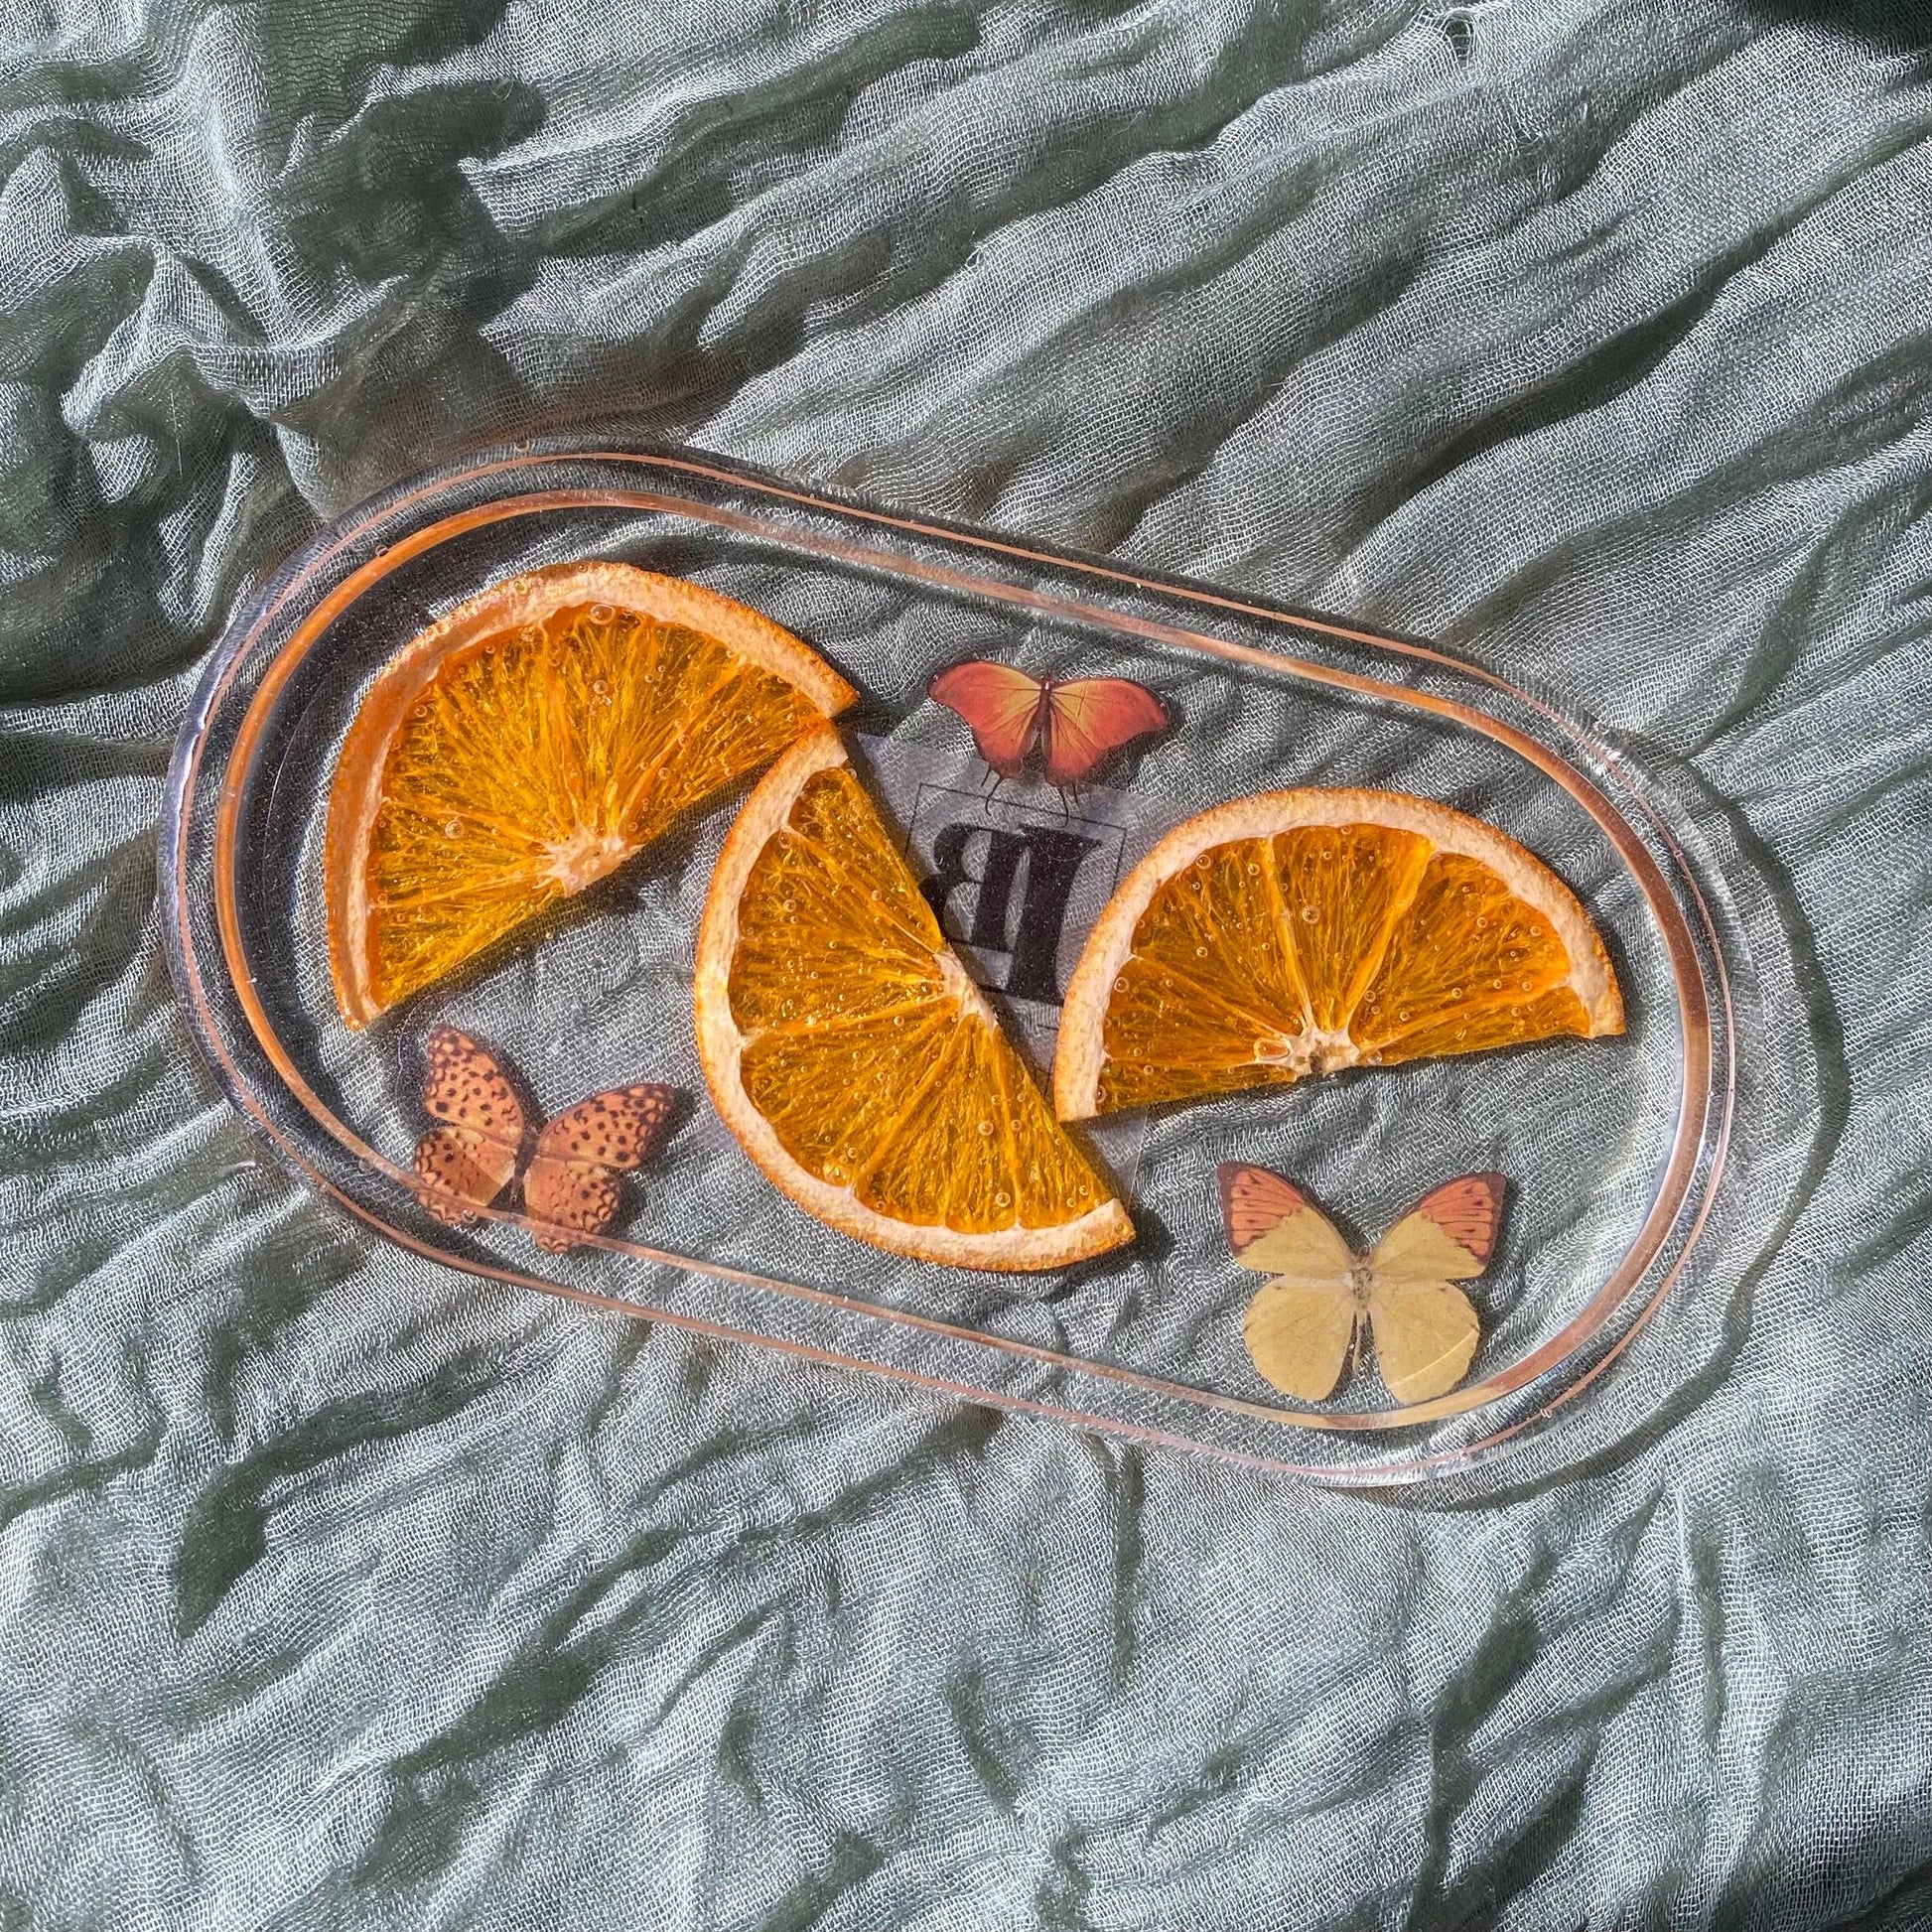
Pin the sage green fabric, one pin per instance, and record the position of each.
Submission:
(1593, 337)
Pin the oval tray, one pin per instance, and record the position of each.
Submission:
(1615, 1148)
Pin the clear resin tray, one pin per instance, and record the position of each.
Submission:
(1620, 1153)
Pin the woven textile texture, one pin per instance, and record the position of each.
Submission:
(1590, 336)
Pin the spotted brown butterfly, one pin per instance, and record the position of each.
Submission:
(1304, 1324)
(570, 1186)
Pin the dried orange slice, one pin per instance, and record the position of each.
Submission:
(1304, 931)
(848, 1051)
(531, 742)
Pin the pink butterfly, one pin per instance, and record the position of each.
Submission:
(1073, 729)
(571, 1183)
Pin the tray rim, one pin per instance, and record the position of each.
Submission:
(1697, 1153)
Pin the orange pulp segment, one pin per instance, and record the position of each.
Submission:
(529, 742)
(1304, 931)
(859, 1067)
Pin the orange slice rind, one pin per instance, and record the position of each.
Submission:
(1306, 932)
(527, 744)
(859, 1067)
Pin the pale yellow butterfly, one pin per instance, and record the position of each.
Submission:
(1300, 1327)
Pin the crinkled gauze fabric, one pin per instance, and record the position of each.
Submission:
(1592, 337)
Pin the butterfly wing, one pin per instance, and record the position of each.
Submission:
(1300, 1325)
(468, 1085)
(571, 1187)
(1001, 704)
(1448, 1236)
(1426, 1328)
(1090, 719)
(458, 1162)
(1426, 1335)
(472, 1156)
(1275, 1229)
(1298, 1335)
